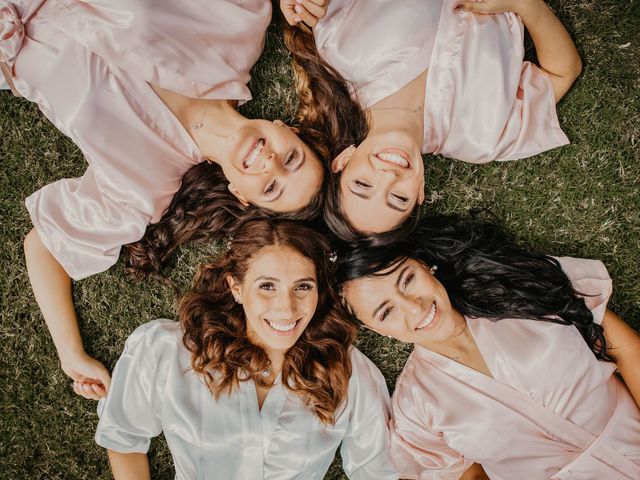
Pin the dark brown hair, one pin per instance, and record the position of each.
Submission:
(327, 108)
(202, 210)
(317, 367)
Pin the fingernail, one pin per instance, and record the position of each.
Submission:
(298, 1)
(297, 19)
(298, 8)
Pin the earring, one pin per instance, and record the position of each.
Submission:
(388, 336)
(433, 269)
(237, 300)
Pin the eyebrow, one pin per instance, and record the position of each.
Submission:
(400, 275)
(274, 279)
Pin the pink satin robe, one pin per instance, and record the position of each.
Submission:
(88, 65)
(482, 102)
(551, 410)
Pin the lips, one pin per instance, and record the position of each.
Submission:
(429, 318)
(395, 156)
(253, 154)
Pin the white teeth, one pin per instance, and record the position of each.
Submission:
(394, 158)
(281, 327)
(429, 318)
(255, 153)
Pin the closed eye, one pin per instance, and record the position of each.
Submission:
(385, 313)
(400, 198)
(361, 184)
(407, 281)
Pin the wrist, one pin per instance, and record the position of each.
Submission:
(69, 354)
(529, 9)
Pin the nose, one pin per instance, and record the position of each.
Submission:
(268, 163)
(285, 306)
(413, 308)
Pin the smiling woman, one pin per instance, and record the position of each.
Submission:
(514, 358)
(259, 379)
(148, 92)
(388, 81)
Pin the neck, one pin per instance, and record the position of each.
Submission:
(211, 124)
(397, 120)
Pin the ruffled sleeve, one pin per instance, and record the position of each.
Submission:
(483, 102)
(130, 413)
(83, 225)
(419, 453)
(365, 446)
(591, 280)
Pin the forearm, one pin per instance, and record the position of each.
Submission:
(623, 343)
(129, 466)
(555, 49)
(52, 289)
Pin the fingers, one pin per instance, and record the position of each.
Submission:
(305, 15)
(89, 391)
(314, 7)
(473, 6)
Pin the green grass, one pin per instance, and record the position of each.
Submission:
(581, 200)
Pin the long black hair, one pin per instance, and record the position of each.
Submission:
(485, 273)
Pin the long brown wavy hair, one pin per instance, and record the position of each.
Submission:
(326, 106)
(202, 210)
(317, 367)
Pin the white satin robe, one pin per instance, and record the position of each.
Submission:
(551, 410)
(482, 102)
(154, 390)
(88, 65)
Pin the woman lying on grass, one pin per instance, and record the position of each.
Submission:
(148, 92)
(392, 80)
(514, 359)
(258, 380)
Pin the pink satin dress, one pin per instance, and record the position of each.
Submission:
(482, 101)
(551, 410)
(88, 66)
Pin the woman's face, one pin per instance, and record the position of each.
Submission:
(279, 295)
(270, 167)
(407, 303)
(382, 181)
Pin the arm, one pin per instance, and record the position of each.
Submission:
(129, 466)
(624, 345)
(52, 289)
(556, 51)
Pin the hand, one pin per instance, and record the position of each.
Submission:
(307, 11)
(493, 6)
(91, 379)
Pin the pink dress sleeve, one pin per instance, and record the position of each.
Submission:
(82, 225)
(418, 452)
(482, 101)
(592, 281)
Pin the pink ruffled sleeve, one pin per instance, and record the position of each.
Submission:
(83, 225)
(590, 279)
(417, 451)
(483, 102)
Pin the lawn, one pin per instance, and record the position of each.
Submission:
(580, 200)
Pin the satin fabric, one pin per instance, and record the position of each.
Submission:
(482, 101)
(88, 65)
(154, 390)
(551, 410)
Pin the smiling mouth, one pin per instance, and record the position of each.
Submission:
(253, 155)
(429, 318)
(395, 157)
(282, 327)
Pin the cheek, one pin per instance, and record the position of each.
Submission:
(307, 305)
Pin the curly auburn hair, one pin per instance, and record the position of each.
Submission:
(317, 367)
